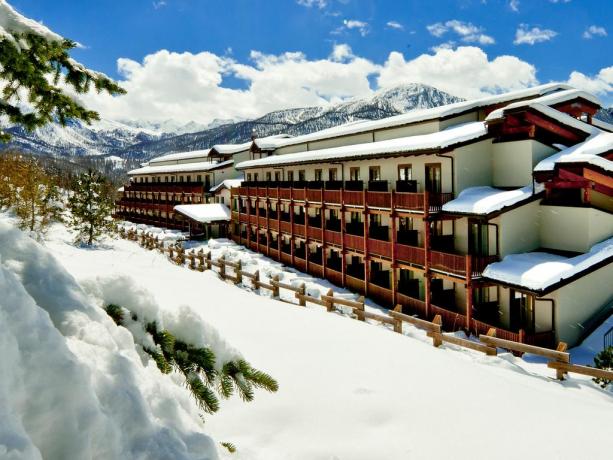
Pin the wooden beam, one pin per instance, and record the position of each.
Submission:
(553, 127)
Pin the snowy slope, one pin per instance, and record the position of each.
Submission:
(352, 390)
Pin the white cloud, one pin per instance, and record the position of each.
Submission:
(594, 31)
(186, 86)
(157, 4)
(395, 25)
(559, 1)
(465, 71)
(601, 83)
(348, 24)
(514, 5)
(526, 36)
(310, 3)
(467, 31)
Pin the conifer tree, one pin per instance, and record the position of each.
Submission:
(36, 71)
(90, 205)
(604, 360)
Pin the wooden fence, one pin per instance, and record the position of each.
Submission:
(559, 359)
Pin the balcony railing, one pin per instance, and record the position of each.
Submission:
(315, 269)
(411, 254)
(450, 263)
(381, 294)
(355, 284)
(335, 276)
(452, 321)
(333, 237)
(381, 248)
(315, 233)
(354, 242)
(411, 305)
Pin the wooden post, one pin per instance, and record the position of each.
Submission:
(300, 294)
(170, 252)
(330, 303)
(437, 340)
(222, 267)
(275, 286)
(239, 273)
(362, 308)
(192, 260)
(200, 260)
(256, 280)
(208, 260)
(562, 346)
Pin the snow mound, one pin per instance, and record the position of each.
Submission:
(73, 385)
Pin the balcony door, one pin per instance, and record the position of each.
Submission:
(478, 238)
(433, 178)
(522, 311)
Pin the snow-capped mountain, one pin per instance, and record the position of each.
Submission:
(142, 140)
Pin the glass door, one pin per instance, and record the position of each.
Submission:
(433, 178)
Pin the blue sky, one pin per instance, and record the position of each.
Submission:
(382, 43)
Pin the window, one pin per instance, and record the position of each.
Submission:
(159, 179)
(221, 200)
(374, 173)
(277, 176)
(290, 176)
(301, 175)
(207, 182)
(333, 214)
(165, 178)
(332, 174)
(433, 178)
(249, 176)
(375, 220)
(172, 178)
(355, 217)
(199, 178)
(180, 178)
(255, 177)
(318, 175)
(147, 180)
(405, 224)
(405, 172)
(354, 173)
(268, 176)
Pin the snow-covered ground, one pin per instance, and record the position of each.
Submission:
(348, 389)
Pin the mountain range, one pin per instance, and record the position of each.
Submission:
(126, 143)
(136, 141)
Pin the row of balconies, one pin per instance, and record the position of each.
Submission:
(166, 187)
(411, 201)
(353, 185)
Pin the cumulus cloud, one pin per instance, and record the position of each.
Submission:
(526, 36)
(594, 31)
(395, 25)
(310, 3)
(159, 4)
(187, 86)
(601, 83)
(466, 71)
(466, 31)
(514, 5)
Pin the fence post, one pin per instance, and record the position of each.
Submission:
(222, 267)
(275, 286)
(171, 252)
(256, 279)
(301, 295)
(562, 346)
(330, 303)
(361, 309)
(192, 260)
(239, 273)
(208, 260)
(437, 340)
(200, 257)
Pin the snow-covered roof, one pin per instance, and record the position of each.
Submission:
(181, 156)
(485, 200)
(228, 183)
(538, 271)
(272, 142)
(230, 149)
(416, 116)
(602, 125)
(184, 167)
(588, 151)
(445, 138)
(205, 213)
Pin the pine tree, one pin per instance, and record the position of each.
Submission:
(90, 205)
(604, 360)
(35, 67)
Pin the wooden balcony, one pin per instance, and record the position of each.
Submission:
(411, 254)
(382, 295)
(380, 248)
(300, 264)
(332, 196)
(315, 270)
(253, 245)
(354, 242)
(273, 225)
(286, 258)
(334, 276)
(286, 227)
(262, 221)
(315, 233)
(285, 193)
(299, 230)
(379, 199)
(409, 201)
(166, 187)
(298, 194)
(449, 263)
(274, 254)
(452, 321)
(411, 305)
(315, 196)
(353, 198)
(253, 219)
(262, 248)
(333, 237)
(355, 284)
(478, 264)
